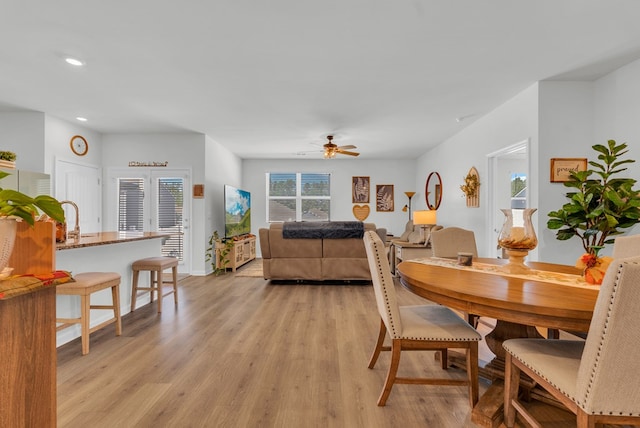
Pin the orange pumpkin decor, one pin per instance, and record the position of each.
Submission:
(594, 267)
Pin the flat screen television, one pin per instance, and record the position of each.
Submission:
(237, 212)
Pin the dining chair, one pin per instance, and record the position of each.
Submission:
(450, 241)
(626, 246)
(427, 327)
(597, 379)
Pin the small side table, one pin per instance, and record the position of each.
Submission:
(407, 251)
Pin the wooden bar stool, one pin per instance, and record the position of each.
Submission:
(155, 266)
(85, 284)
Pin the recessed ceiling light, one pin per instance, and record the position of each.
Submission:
(81, 119)
(74, 61)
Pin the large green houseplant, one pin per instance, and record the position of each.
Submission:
(601, 204)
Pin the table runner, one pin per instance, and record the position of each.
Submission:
(22, 284)
(534, 275)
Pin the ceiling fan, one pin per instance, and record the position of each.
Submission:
(331, 150)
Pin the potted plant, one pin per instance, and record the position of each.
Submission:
(7, 159)
(15, 204)
(217, 253)
(601, 204)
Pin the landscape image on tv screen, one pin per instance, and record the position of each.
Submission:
(237, 209)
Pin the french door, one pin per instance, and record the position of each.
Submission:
(155, 200)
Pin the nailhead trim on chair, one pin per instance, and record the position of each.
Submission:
(533, 369)
(582, 402)
(394, 333)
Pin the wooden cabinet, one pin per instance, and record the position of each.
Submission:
(28, 334)
(241, 252)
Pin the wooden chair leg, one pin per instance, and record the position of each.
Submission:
(174, 271)
(444, 359)
(379, 344)
(472, 372)
(134, 290)
(85, 310)
(396, 348)
(157, 275)
(152, 283)
(585, 420)
(511, 386)
(115, 298)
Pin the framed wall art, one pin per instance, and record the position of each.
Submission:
(384, 197)
(561, 168)
(360, 190)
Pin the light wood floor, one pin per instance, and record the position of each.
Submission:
(242, 352)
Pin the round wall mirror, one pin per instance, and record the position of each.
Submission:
(433, 191)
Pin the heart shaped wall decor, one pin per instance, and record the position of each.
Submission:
(361, 212)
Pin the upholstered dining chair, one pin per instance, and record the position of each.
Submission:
(596, 379)
(450, 241)
(626, 246)
(422, 327)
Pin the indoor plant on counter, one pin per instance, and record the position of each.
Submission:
(7, 159)
(600, 206)
(14, 205)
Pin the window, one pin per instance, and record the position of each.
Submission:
(298, 197)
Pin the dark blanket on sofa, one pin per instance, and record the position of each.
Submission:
(323, 230)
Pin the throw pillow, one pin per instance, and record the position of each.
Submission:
(416, 237)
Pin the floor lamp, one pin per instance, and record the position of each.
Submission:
(425, 219)
(408, 207)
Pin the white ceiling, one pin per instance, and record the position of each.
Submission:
(267, 79)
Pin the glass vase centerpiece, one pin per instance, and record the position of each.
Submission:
(517, 237)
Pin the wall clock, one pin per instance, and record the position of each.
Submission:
(79, 145)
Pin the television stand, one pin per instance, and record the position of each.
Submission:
(242, 251)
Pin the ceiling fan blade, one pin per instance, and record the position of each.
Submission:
(348, 147)
(344, 152)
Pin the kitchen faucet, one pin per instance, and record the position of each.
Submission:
(76, 230)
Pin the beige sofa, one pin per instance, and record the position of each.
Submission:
(315, 259)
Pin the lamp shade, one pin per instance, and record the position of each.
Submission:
(425, 217)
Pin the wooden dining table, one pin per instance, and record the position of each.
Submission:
(518, 303)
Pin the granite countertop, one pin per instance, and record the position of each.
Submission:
(106, 238)
(19, 285)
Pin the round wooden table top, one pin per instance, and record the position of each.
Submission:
(506, 298)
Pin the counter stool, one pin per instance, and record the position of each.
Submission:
(85, 284)
(155, 266)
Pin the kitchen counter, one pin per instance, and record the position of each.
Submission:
(104, 252)
(106, 238)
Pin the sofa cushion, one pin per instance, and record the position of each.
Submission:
(295, 268)
(343, 248)
(292, 248)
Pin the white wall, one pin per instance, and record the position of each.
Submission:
(23, 134)
(181, 151)
(57, 138)
(514, 121)
(222, 167)
(399, 173)
(562, 119)
(566, 131)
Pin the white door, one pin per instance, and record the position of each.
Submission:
(155, 200)
(81, 184)
(508, 173)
